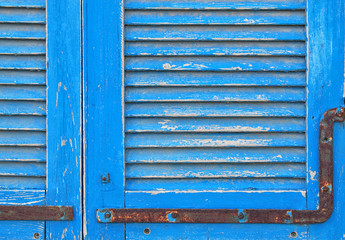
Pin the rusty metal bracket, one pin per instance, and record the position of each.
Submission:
(39, 213)
(324, 211)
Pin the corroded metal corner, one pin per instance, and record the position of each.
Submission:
(322, 214)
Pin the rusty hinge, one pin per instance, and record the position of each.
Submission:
(42, 213)
(324, 211)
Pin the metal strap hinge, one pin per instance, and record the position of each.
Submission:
(324, 211)
(41, 213)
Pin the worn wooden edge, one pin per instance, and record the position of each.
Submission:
(322, 214)
(39, 213)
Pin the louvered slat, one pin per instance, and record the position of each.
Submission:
(26, 15)
(23, 3)
(135, 125)
(215, 33)
(216, 94)
(29, 123)
(210, 184)
(216, 4)
(215, 109)
(215, 49)
(215, 64)
(194, 78)
(216, 170)
(22, 31)
(13, 77)
(22, 47)
(23, 108)
(215, 97)
(22, 154)
(22, 94)
(215, 155)
(163, 17)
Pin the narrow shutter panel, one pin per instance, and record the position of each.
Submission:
(22, 112)
(215, 102)
(23, 95)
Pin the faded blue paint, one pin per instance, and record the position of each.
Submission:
(203, 94)
(103, 111)
(22, 113)
(64, 122)
(183, 108)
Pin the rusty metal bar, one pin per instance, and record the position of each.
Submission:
(41, 213)
(324, 211)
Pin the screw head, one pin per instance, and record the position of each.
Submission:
(293, 234)
(287, 217)
(147, 231)
(105, 178)
(37, 235)
(340, 113)
(174, 215)
(240, 216)
(107, 215)
(325, 189)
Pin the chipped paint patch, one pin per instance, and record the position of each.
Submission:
(312, 175)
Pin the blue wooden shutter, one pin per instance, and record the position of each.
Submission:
(33, 97)
(22, 111)
(215, 104)
(155, 67)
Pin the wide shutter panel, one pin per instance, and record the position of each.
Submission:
(215, 101)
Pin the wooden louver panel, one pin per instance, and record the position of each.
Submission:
(22, 95)
(215, 95)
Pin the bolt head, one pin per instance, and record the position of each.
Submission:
(293, 234)
(37, 235)
(240, 216)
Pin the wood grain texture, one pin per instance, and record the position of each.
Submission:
(23, 3)
(210, 184)
(22, 31)
(326, 76)
(215, 4)
(215, 231)
(214, 125)
(150, 17)
(197, 78)
(213, 48)
(215, 155)
(279, 199)
(64, 124)
(215, 33)
(217, 94)
(103, 89)
(218, 170)
(22, 230)
(215, 110)
(22, 15)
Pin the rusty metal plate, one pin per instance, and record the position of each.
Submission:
(113, 215)
(42, 213)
